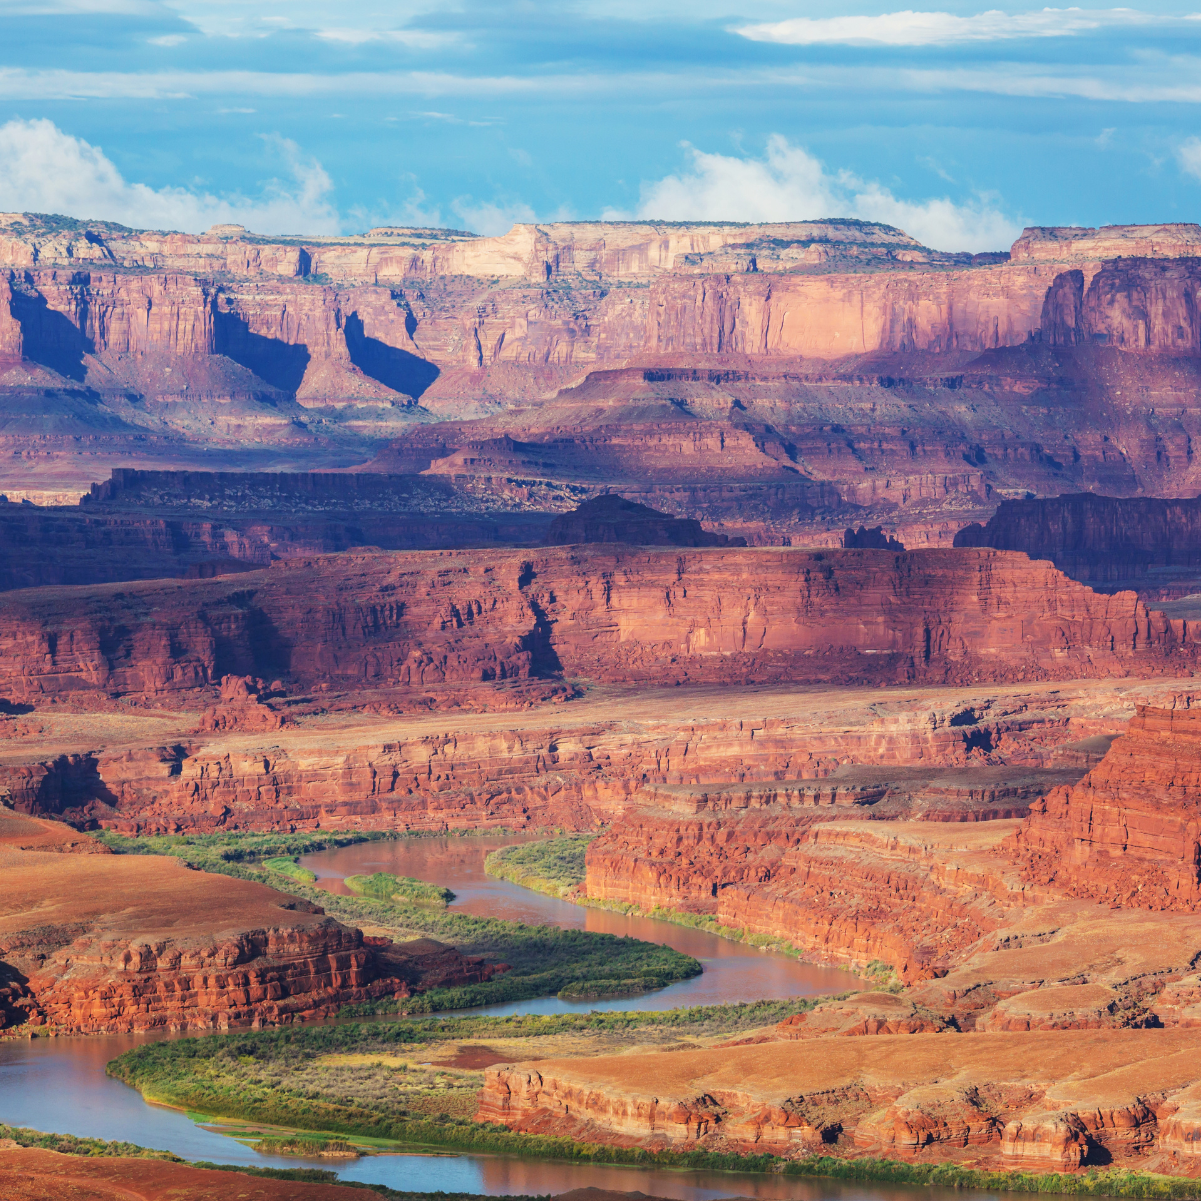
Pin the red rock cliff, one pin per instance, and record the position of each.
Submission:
(1130, 831)
(618, 615)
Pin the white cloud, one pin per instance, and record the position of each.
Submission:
(789, 184)
(413, 38)
(938, 28)
(491, 219)
(1188, 155)
(49, 171)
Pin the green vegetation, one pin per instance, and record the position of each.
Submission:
(307, 1148)
(383, 886)
(1091, 1183)
(555, 866)
(207, 850)
(70, 1144)
(285, 865)
(543, 960)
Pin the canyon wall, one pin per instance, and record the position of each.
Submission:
(719, 614)
(1100, 539)
(367, 761)
(1130, 831)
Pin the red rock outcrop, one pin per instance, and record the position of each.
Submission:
(848, 892)
(1147, 541)
(716, 614)
(1042, 1101)
(112, 943)
(1130, 831)
(429, 762)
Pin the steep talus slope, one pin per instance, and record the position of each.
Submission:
(1130, 831)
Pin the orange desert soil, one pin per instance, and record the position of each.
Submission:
(1042, 1100)
(100, 943)
(31, 1174)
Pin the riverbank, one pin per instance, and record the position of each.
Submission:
(556, 867)
(538, 961)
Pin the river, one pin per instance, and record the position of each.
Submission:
(59, 1084)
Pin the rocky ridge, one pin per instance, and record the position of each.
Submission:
(746, 369)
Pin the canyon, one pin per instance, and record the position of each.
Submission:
(845, 589)
(1038, 1029)
(776, 382)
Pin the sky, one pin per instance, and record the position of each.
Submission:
(960, 124)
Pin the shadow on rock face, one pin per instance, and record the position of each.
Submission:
(394, 368)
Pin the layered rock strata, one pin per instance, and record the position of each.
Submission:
(760, 356)
(1042, 1101)
(1147, 542)
(619, 615)
(113, 943)
(428, 766)
(1130, 831)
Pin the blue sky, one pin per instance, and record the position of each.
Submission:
(957, 123)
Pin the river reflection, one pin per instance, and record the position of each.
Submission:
(59, 1084)
(733, 971)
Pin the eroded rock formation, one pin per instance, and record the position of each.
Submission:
(756, 370)
(1145, 542)
(1130, 831)
(93, 943)
(1041, 1101)
(618, 615)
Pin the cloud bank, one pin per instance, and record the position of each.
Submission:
(49, 171)
(790, 184)
(938, 28)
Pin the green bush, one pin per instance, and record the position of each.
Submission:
(285, 865)
(383, 886)
(554, 866)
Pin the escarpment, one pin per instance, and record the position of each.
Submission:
(713, 614)
(778, 382)
(1038, 1101)
(1149, 543)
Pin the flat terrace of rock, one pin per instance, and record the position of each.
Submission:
(1040, 1099)
(575, 763)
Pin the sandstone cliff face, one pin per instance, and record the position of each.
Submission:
(573, 765)
(616, 615)
(1100, 539)
(1130, 831)
(853, 370)
(848, 892)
